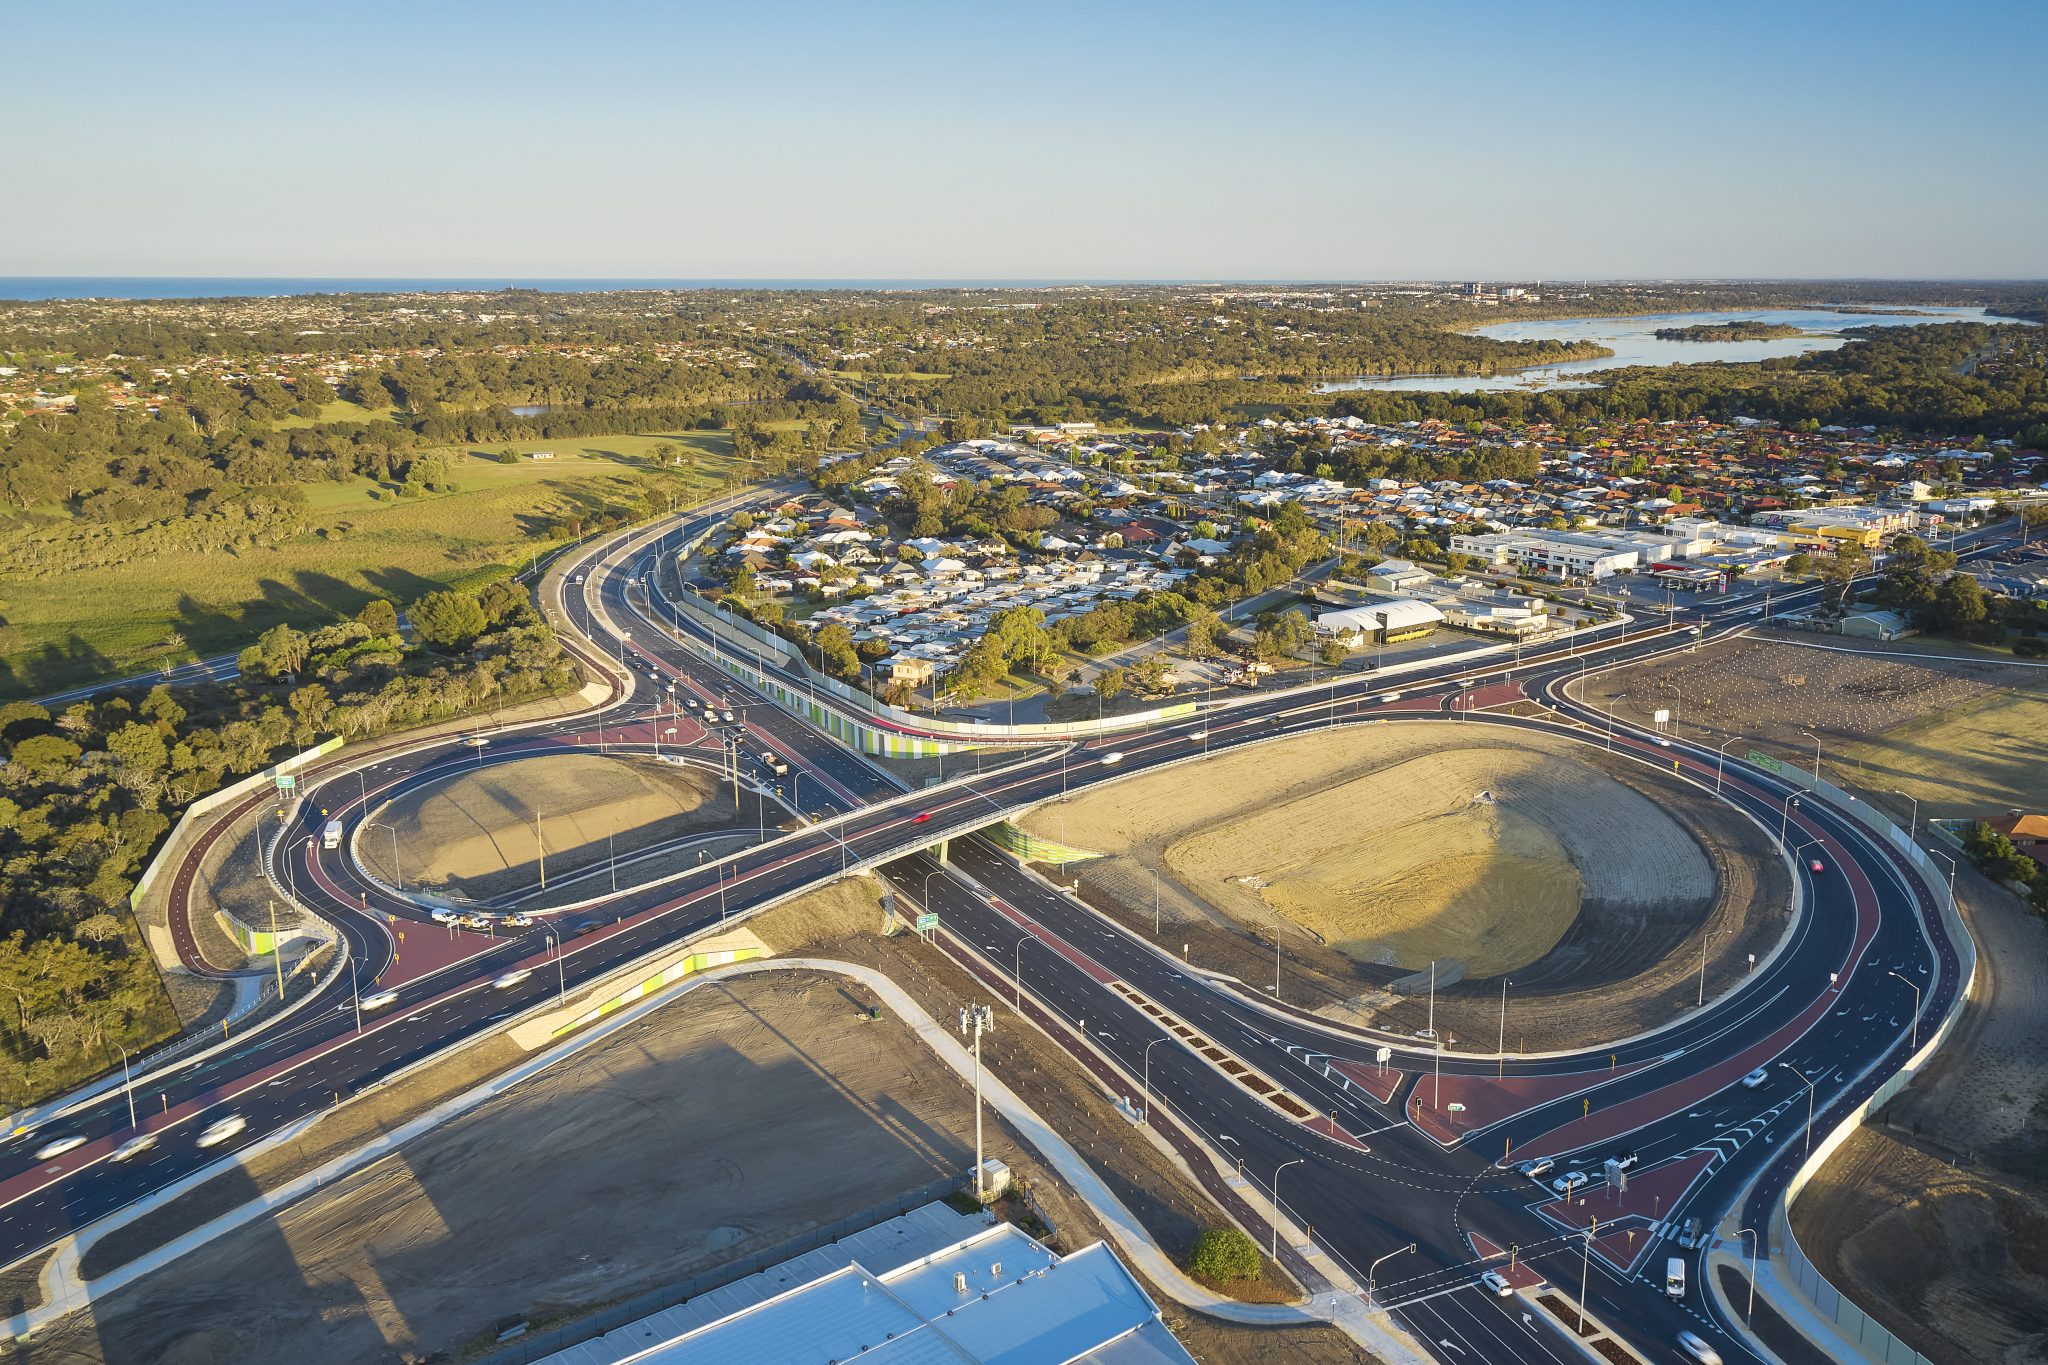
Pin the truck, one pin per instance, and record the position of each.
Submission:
(330, 838)
(1674, 1278)
(773, 763)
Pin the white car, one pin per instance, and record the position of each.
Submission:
(1698, 1349)
(380, 1000)
(1112, 758)
(511, 978)
(1570, 1181)
(221, 1129)
(476, 741)
(59, 1146)
(1755, 1078)
(1495, 1282)
(135, 1147)
(1538, 1168)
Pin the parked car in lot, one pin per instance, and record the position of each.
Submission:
(1755, 1078)
(221, 1129)
(1496, 1283)
(1538, 1168)
(1570, 1181)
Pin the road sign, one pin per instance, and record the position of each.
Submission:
(925, 922)
(286, 782)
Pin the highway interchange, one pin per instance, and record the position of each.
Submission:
(1370, 1176)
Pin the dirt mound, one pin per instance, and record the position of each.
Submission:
(1397, 851)
(485, 833)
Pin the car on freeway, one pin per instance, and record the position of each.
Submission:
(59, 1146)
(1390, 696)
(1538, 1168)
(443, 916)
(379, 1000)
(517, 920)
(1198, 734)
(1496, 1283)
(1625, 1159)
(1755, 1078)
(476, 741)
(1112, 758)
(135, 1147)
(1698, 1349)
(1663, 743)
(1570, 1181)
(920, 817)
(508, 980)
(221, 1129)
(725, 716)
(1817, 865)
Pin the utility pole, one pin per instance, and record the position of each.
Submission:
(1500, 1049)
(277, 953)
(540, 851)
(982, 1019)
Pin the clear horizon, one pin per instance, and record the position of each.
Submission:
(1057, 143)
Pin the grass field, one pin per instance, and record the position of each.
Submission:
(358, 541)
(1977, 760)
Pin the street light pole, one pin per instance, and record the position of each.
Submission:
(397, 873)
(1500, 1050)
(1809, 1103)
(127, 1084)
(1721, 760)
(1276, 1202)
(1148, 1078)
(1913, 822)
(1916, 1009)
(1816, 754)
(1751, 1310)
(1705, 939)
(1017, 970)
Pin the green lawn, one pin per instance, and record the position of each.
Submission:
(359, 541)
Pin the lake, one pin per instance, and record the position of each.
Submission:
(1632, 342)
(531, 409)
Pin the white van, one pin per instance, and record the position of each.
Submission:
(1674, 1278)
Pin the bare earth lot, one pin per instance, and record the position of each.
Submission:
(481, 835)
(1375, 851)
(1967, 738)
(728, 1122)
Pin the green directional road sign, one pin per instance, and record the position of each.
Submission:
(286, 782)
(925, 922)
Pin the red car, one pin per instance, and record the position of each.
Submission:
(1817, 866)
(920, 817)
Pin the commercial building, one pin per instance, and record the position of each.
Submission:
(952, 1289)
(1382, 622)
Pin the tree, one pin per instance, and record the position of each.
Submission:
(1799, 565)
(836, 652)
(1204, 625)
(447, 620)
(140, 751)
(1960, 606)
(380, 616)
(1109, 683)
(1335, 649)
(1840, 569)
(1223, 1254)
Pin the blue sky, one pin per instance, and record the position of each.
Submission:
(1043, 140)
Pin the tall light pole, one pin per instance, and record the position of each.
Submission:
(1809, 1103)
(1585, 1259)
(1913, 823)
(1148, 1077)
(127, 1083)
(1372, 1271)
(1951, 875)
(1751, 1310)
(1916, 1008)
(553, 937)
(1816, 754)
(982, 1020)
(1678, 715)
(1500, 1050)
(1276, 1202)
(1017, 970)
(1705, 939)
(1721, 759)
(1609, 708)
(397, 873)
(1785, 815)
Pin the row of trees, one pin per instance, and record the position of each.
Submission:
(88, 792)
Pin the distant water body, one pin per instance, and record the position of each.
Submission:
(40, 287)
(1633, 341)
